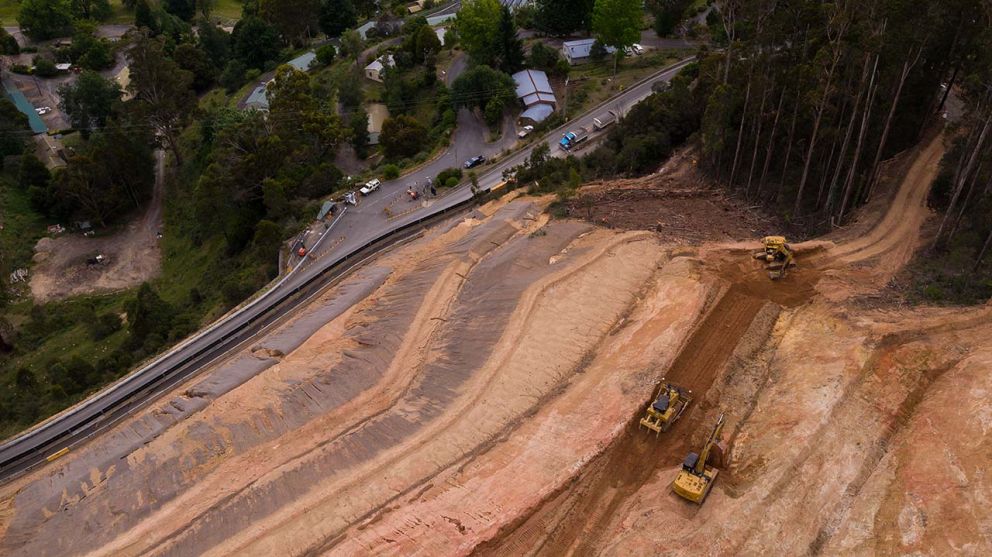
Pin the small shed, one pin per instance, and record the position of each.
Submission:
(325, 209)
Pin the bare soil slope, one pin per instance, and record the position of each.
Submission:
(477, 391)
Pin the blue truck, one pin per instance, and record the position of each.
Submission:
(570, 139)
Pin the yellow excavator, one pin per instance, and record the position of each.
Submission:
(668, 407)
(696, 478)
(777, 254)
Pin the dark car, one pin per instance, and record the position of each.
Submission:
(475, 161)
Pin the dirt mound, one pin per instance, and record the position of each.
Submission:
(677, 202)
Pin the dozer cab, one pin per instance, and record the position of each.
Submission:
(696, 478)
(777, 255)
(667, 407)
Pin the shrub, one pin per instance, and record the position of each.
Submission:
(401, 136)
(451, 182)
(104, 326)
(390, 172)
(325, 54)
(448, 174)
(44, 67)
(933, 293)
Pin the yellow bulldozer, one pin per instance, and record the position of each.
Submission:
(667, 407)
(777, 254)
(696, 478)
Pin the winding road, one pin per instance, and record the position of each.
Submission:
(356, 234)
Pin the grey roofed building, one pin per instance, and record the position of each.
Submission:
(364, 29)
(258, 99)
(435, 20)
(533, 87)
(303, 61)
(514, 4)
(534, 90)
(537, 113)
(374, 70)
(579, 51)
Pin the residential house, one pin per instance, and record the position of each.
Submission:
(580, 51)
(375, 69)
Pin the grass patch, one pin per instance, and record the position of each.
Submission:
(21, 228)
(119, 14)
(227, 10)
(591, 84)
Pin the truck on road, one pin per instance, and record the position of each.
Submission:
(570, 139)
(604, 120)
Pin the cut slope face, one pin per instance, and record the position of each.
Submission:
(478, 391)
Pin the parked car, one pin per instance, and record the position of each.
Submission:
(370, 186)
(42, 110)
(475, 161)
(525, 131)
(638, 49)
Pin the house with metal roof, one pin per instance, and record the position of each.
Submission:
(436, 20)
(365, 28)
(303, 61)
(580, 51)
(374, 70)
(259, 98)
(515, 4)
(534, 91)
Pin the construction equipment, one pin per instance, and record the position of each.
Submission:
(668, 407)
(777, 254)
(696, 478)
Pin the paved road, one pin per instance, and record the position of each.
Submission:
(353, 231)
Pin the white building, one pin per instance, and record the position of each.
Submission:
(374, 70)
(580, 51)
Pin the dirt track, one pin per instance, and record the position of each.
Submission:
(478, 391)
(133, 254)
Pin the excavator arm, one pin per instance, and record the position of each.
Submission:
(714, 437)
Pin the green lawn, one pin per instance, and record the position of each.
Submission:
(591, 84)
(229, 10)
(226, 10)
(21, 228)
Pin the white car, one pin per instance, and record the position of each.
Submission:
(525, 131)
(638, 49)
(370, 186)
(43, 110)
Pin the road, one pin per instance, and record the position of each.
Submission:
(355, 231)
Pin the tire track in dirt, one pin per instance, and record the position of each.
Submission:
(446, 278)
(902, 221)
(572, 522)
(414, 441)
